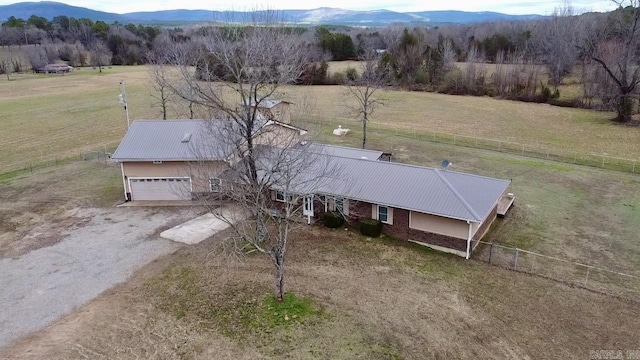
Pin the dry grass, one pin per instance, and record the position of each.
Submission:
(37, 208)
(46, 115)
(379, 300)
(342, 66)
(538, 125)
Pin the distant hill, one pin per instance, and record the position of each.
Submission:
(50, 9)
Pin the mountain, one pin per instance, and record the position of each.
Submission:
(50, 9)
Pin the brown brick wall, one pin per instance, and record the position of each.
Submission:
(487, 223)
(400, 228)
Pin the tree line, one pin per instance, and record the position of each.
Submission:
(520, 60)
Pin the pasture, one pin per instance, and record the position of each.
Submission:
(383, 298)
(47, 115)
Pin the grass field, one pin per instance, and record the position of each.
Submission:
(43, 116)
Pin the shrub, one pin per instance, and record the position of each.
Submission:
(333, 220)
(370, 227)
(351, 74)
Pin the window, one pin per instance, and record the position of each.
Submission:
(383, 214)
(283, 197)
(214, 184)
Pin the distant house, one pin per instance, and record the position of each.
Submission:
(445, 210)
(55, 69)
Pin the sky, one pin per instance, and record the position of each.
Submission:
(542, 7)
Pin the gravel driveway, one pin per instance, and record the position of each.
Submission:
(41, 286)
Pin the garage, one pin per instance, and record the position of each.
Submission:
(160, 188)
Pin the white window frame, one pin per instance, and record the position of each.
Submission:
(282, 196)
(211, 181)
(389, 220)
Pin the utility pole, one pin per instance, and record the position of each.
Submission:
(122, 99)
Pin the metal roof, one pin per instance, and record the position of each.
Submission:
(344, 151)
(150, 140)
(433, 191)
(269, 103)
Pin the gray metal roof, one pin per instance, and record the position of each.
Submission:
(149, 140)
(344, 151)
(269, 103)
(439, 192)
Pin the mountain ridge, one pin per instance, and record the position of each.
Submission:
(322, 15)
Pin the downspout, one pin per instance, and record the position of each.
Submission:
(124, 182)
(468, 241)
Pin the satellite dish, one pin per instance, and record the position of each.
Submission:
(445, 164)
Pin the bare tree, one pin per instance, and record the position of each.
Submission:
(161, 91)
(5, 66)
(100, 55)
(364, 88)
(613, 47)
(232, 71)
(557, 41)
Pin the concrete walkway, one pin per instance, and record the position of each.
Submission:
(205, 226)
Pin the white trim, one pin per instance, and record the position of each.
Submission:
(124, 182)
(288, 198)
(468, 254)
(389, 214)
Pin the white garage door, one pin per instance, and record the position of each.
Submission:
(161, 189)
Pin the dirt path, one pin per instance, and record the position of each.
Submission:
(41, 286)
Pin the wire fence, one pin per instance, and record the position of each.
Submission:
(100, 154)
(533, 151)
(578, 274)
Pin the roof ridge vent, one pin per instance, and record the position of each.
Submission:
(186, 138)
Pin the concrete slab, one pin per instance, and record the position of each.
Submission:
(205, 226)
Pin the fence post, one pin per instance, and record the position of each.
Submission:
(522, 150)
(634, 167)
(548, 154)
(533, 262)
(575, 157)
(515, 262)
(586, 279)
(603, 161)
(490, 252)
(476, 143)
(30, 168)
(499, 145)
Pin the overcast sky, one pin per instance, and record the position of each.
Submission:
(543, 7)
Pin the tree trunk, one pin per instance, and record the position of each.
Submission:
(364, 131)
(624, 108)
(278, 260)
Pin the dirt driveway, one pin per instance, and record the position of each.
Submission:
(102, 250)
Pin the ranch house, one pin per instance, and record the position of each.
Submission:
(446, 210)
